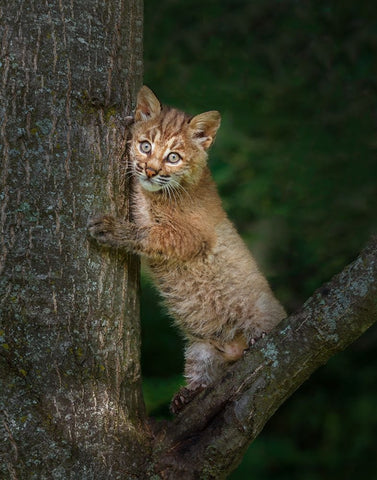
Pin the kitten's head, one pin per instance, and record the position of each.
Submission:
(168, 147)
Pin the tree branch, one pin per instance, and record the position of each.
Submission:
(209, 438)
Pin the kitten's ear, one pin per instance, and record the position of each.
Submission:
(204, 127)
(147, 105)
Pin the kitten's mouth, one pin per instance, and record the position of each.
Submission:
(150, 184)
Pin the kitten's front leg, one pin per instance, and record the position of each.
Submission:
(115, 232)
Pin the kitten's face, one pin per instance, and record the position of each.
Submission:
(163, 154)
(168, 148)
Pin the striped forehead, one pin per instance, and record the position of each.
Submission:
(172, 122)
(175, 143)
(166, 145)
(170, 125)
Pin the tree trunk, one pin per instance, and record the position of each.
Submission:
(69, 335)
(70, 385)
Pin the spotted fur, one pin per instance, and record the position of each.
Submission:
(207, 278)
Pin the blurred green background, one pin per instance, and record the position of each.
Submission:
(296, 165)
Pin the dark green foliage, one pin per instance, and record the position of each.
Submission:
(296, 165)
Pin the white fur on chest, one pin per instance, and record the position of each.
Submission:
(141, 209)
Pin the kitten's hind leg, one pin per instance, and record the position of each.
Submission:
(204, 364)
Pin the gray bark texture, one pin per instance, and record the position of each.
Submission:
(71, 405)
(70, 391)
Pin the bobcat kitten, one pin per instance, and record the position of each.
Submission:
(208, 279)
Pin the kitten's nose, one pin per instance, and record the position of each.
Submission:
(151, 172)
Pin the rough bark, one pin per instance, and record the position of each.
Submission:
(70, 387)
(69, 336)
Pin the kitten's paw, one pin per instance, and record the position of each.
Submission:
(102, 228)
(182, 398)
(129, 120)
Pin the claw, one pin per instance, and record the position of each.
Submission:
(100, 227)
(182, 398)
(253, 341)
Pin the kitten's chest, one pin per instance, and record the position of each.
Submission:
(146, 213)
(141, 213)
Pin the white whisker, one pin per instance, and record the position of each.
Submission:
(175, 190)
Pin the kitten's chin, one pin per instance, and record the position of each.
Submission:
(149, 185)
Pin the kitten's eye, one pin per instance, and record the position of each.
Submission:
(145, 147)
(173, 157)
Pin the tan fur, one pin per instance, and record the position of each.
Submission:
(207, 277)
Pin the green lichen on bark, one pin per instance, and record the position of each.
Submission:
(66, 358)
